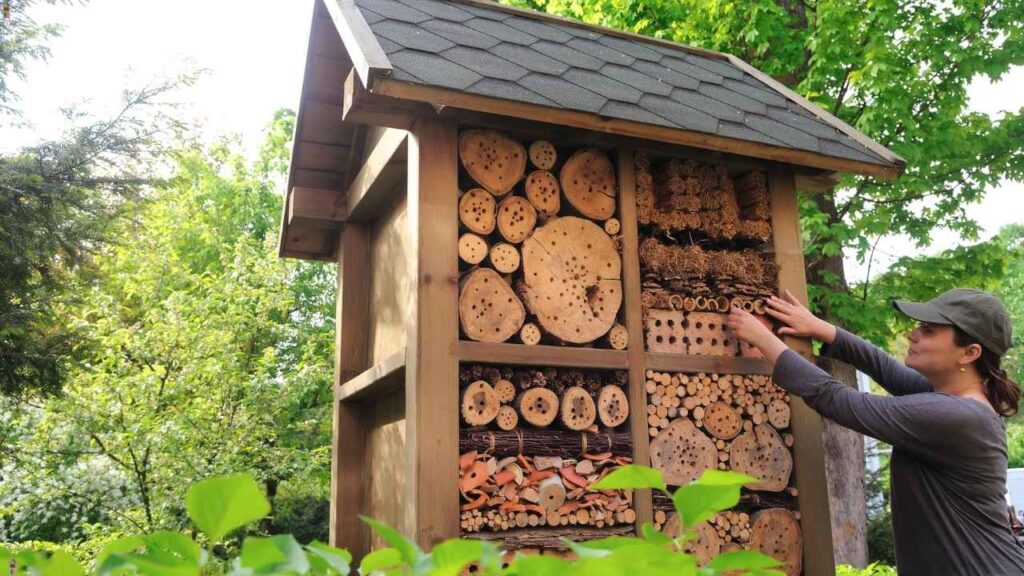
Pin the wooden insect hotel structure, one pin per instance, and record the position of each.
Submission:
(539, 227)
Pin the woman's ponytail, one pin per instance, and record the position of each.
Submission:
(1002, 392)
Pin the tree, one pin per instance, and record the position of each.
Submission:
(897, 71)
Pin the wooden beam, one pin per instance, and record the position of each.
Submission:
(631, 291)
(376, 187)
(540, 355)
(717, 364)
(375, 381)
(528, 111)
(316, 208)
(360, 106)
(432, 370)
(348, 442)
(808, 454)
(368, 58)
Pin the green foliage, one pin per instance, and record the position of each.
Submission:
(22, 38)
(873, 569)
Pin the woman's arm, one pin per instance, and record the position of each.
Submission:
(842, 345)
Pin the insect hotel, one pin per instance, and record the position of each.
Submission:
(539, 227)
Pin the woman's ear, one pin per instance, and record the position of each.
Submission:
(972, 353)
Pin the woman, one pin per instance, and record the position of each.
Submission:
(944, 420)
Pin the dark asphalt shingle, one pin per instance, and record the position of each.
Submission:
(603, 85)
(485, 63)
(530, 58)
(461, 34)
(566, 94)
(570, 56)
(411, 36)
(501, 31)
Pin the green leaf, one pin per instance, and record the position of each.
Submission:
(274, 555)
(611, 543)
(219, 505)
(339, 560)
(57, 563)
(631, 476)
(725, 478)
(696, 503)
(537, 565)
(407, 549)
(382, 559)
(452, 556)
(174, 546)
(743, 560)
(119, 546)
(654, 536)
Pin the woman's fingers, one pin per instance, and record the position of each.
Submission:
(787, 331)
(792, 299)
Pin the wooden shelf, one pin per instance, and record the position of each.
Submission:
(554, 356)
(549, 537)
(718, 364)
(384, 376)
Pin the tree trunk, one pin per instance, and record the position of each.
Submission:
(844, 449)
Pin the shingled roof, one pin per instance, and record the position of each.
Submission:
(494, 51)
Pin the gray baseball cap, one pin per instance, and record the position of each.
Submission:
(978, 314)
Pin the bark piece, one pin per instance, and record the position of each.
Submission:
(618, 337)
(571, 279)
(543, 154)
(489, 309)
(538, 406)
(494, 160)
(578, 410)
(722, 421)
(472, 248)
(775, 532)
(543, 191)
(548, 441)
(479, 404)
(478, 211)
(761, 453)
(504, 257)
(507, 418)
(612, 406)
(682, 452)
(588, 180)
(530, 334)
(505, 390)
(778, 414)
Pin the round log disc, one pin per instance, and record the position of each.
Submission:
(588, 180)
(707, 545)
(612, 226)
(494, 160)
(507, 418)
(778, 414)
(543, 192)
(516, 219)
(578, 410)
(530, 334)
(478, 211)
(489, 309)
(618, 337)
(505, 257)
(682, 452)
(775, 532)
(505, 390)
(543, 154)
(722, 421)
(552, 493)
(538, 406)
(571, 279)
(761, 453)
(612, 406)
(479, 403)
(472, 248)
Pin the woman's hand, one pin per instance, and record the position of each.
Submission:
(798, 319)
(748, 328)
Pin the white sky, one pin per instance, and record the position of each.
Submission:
(255, 53)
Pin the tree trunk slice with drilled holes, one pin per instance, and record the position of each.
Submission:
(761, 453)
(472, 248)
(571, 279)
(778, 414)
(538, 406)
(543, 154)
(612, 226)
(505, 390)
(552, 493)
(543, 192)
(722, 421)
(505, 257)
(682, 452)
(516, 219)
(588, 181)
(489, 309)
(479, 403)
(494, 160)
(578, 410)
(618, 337)
(478, 211)
(775, 532)
(530, 334)
(507, 418)
(612, 406)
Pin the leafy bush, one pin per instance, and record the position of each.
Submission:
(224, 504)
(873, 569)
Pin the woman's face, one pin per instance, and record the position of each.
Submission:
(932, 349)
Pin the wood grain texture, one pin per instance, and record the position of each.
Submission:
(432, 400)
(375, 187)
(717, 364)
(553, 356)
(808, 457)
(375, 381)
(391, 252)
(368, 58)
(316, 208)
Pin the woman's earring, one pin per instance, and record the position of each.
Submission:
(962, 369)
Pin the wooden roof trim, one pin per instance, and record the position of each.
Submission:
(547, 16)
(819, 112)
(368, 58)
(461, 100)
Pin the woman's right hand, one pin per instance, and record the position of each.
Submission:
(798, 320)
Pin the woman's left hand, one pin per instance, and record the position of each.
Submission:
(749, 329)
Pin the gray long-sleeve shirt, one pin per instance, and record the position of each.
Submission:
(948, 463)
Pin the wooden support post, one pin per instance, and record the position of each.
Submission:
(808, 455)
(634, 327)
(431, 381)
(348, 444)
(375, 188)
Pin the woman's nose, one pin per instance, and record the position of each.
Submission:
(914, 335)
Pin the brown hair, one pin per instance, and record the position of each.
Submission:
(1002, 392)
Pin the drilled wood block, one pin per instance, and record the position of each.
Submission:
(664, 330)
(706, 335)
